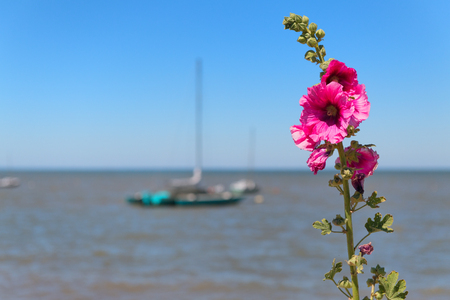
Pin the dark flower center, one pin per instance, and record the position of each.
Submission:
(334, 78)
(331, 111)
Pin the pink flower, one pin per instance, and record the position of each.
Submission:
(367, 161)
(302, 141)
(338, 72)
(362, 107)
(366, 249)
(318, 159)
(327, 113)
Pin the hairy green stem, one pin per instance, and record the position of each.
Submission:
(360, 208)
(362, 240)
(349, 227)
(347, 295)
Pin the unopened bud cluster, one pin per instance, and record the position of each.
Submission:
(310, 36)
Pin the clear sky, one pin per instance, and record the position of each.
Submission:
(111, 84)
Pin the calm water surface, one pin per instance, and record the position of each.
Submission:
(70, 235)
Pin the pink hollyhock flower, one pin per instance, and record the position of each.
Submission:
(365, 166)
(366, 249)
(338, 72)
(318, 159)
(362, 107)
(326, 113)
(367, 161)
(302, 141)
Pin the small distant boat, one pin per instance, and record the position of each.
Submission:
(165, 198)
(9, 182)
(244, 186)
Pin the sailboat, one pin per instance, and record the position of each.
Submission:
(9, 182)
(247, 185)
(188, 191)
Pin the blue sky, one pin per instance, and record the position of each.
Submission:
(111, 84)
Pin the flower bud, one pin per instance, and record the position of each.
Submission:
(345, 283)
(366, 249)
(302, 26)
(305, 20)
(306, 35)
(312, 42)
(378, 295)
(346, 173)
(354, 144)
(320, 33)
(295, 27)
(338, 221)
(338, 166)
(301, 39)
(297, 19)
(313, 27)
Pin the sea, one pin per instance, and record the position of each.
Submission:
(71, 235)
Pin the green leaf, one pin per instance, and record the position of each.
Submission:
(325, 226)
(357, 261)
(379, 224)
(378, 271)
(337, 267)
(373, 200)
(391, 288)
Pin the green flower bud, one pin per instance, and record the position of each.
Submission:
(339, 221)
(312, 42)
(302, 26)
(345, 283)
(301, 39)
(379, 295)
(370, 282)
(307, 35)
(336, 181)
(313, 27)
(338, 166)
(305, 20)
(347, 173)
(297, 19)
(320, 33)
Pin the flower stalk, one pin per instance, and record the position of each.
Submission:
(349, 227)
(332, 111)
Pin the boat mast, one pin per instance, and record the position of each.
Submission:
(198, 117)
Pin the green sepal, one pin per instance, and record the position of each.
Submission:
(378, 295)
(311, 56)
(324, 65)
(366, 298)
(357, 261)
(379, 224)
(356, 198)
(322, 50)
(391, 288)
(325, 226)
(370, 282)
(345, 283)
(336, 268)
(373, 200)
